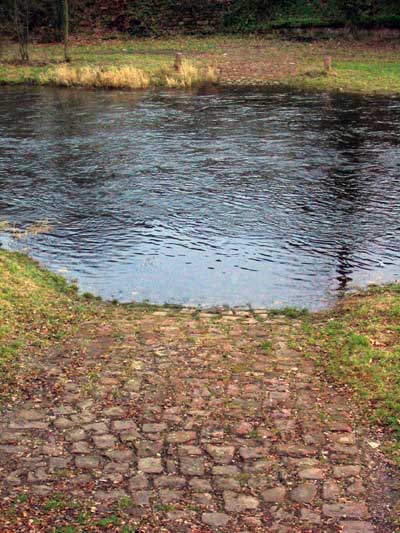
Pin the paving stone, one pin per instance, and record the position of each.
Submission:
(120, 468)
(64, 410)
(274, 495)
(309, 516)
(133, 385)
(110, 496)
(168, 495)
(154, 428)
(341, 449)
(171, 466)
(352, 526)
(148, 448)
(83, 418)
(237, 503)
(14, 478)
(356, 488)
(225, 470)
(247, 453)
(114, 412)
(52, 450)
(189, 450)
(58, 463)
(345, 510)
(11, 449)
(119, 455)
(39, 474)
(295, 451)
(221, 454)
(312, 473)
(179, 437)
(29, 425)
(100, 428)
(262, 465)
(132, 435)
(311, 439)
(215, 519)
(339, 426)
(104, 441)
(81, 447)
(32, 414)
(346, 438)
(63, 423)
(331, 490)
(212, 433)
(139, 481)
(7, 437)
(226, 483)
(203, 498)
(252, 522)
(200, 485)
(85, 404)
(341, 472)
(170, 482)
(87, 461)
(123, 425)
(42, 490)
(192, 466)
(243, 428)
(259, 482)
(304, 493)
(150, 465)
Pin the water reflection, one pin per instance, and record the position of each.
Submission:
(264, 199)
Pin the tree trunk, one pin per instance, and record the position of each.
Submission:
(21, 25)
(66, 29)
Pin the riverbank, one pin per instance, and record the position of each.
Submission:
(361, 66)
(266, 423)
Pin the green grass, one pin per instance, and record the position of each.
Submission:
(358, 345)
(362, 66)
(289, 312)
(37, 309)
(356, 76)
(112, 520)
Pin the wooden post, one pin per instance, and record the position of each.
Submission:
(178, 61)
(327, 64)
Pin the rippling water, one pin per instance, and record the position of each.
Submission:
(261, 199)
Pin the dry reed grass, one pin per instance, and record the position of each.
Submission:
(127, 77)
(190, 76)
(124, 77)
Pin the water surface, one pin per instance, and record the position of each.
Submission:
(256, 199)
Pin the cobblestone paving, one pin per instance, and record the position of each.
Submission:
(196, 422)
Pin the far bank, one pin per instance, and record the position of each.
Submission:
(368, 66)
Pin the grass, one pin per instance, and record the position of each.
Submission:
(126, 77)
(353, 76)
(37, 308)
(358, 345)
(369, 65)
(289, 312)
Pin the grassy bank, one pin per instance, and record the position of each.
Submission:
(37, 309)
(358, 346)
(367, 66)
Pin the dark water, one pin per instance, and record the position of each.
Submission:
(262, 199)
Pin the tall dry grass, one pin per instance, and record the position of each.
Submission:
(190, 76)
(127, 77)
(124, 77)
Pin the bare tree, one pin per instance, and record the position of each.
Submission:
(21, 15)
